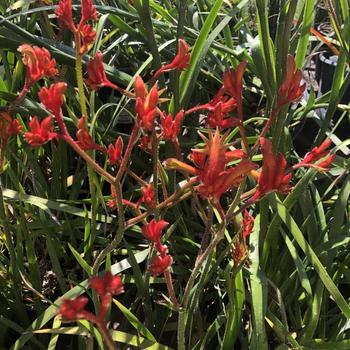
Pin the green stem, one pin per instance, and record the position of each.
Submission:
(79, 75)
(155, 172)
(186, 297)
(119, 234)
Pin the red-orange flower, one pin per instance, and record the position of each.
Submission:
(146, 144)
(316, 154)
(108, 284)
(213, 174)
(88, 11)
(88, 35)
(52, 97)
(40, 133)
(73, 309)
(180, 61)
(146, 103)
(148, 196)
(233, 82)
(38, 62)
(247, 225)
(273, 176)
(159, 264)
(153, 230)
(291, 89)
(219, 108)
(64, 13)
(96, 73)
(170, 126)
(114, 152)
(85, 140)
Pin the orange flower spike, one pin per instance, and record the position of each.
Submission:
(233, 82)
(273, 176)
(291, 89)
(38, 62)
(64, 13)
(114, 152)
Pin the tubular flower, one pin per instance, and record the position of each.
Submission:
(96, 73)
(64, 13)
(159, 264)
(233, 82)
(40, 133)
(145, 105)
(73, 309)
(148, 196)
(146, 144)
(114, 152)
(247, 225)
(273, 176)
(219, 108)
(180, 61)
(316, 154)
(38, 62)
(153, 230)
(291, 89)
(108, 284)
(88, 11)
(8, 126)
(212, 172)
(88, 35)
(85, 140)
(170, 126)
(52, 97)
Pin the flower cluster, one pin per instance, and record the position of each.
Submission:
(105, 287)
(153, 232)
(84, 31)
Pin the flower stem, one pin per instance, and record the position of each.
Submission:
(186, 297)
(170, 286)
(79, 74)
